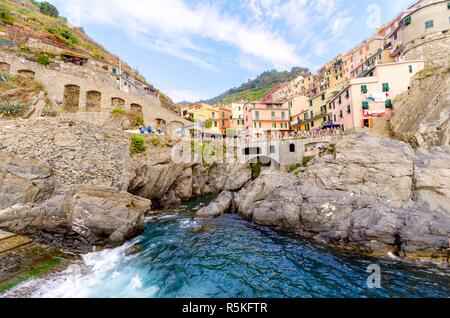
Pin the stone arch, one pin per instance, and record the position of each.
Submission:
(117, 102)
(72, 97)
(26, 73)
(137, 109)
(93, 101)
(4, 67)
(160, 123)
(264, 160)
(174, 127)
(251, 151)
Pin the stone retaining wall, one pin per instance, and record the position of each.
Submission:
(55, 83)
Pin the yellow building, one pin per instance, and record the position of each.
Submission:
(318, 112)
(209, 115)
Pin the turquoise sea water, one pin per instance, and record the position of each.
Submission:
(230, 257)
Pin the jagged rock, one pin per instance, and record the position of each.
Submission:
(432, 178)
(79, 193)
(102, 214)
(218, 207)
(98, 216)
(367, 166)
(23, 181)
(220, 177)
(335, 202)
(422, 115)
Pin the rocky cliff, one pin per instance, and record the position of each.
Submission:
(372, 195)
(422, 115)
(78, 185)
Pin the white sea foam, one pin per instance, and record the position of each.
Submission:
(186, 224)
(97, 274)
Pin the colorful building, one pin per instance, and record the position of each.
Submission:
(297, 105)
(237, 116)
(268, 117)
(318, 113)
(221, 121)
(367, 98)
(426, 18)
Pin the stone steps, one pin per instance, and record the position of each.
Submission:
(10, 241)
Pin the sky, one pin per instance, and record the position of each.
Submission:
(197, 49)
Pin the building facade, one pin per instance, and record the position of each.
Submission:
(269, 117)
(237, 116)
(367, 98)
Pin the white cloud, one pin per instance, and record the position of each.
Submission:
(184, 95)
(338, 24)
(172, 26)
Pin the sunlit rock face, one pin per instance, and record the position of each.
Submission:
(374, 195)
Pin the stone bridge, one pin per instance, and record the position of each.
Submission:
(273, 153)
(89, 99)
(283, 152)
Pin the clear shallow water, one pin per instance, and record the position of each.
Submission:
(230, 257)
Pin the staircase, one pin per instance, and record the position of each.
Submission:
(10, 241)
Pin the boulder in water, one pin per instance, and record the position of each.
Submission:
(218, 207)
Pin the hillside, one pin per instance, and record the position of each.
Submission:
(21, 20)
(258, 88)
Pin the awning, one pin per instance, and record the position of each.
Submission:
(330, 125)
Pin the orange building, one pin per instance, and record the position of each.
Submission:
(223, 121)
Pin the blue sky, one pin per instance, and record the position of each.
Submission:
(195, 50)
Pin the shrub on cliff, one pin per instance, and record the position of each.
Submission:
(118, 111)
(12, 109)
(138, 144)
(4, 77)
(256, 170)
(140, 120)
(49, 111)
(48, 9)
(5, 15)
(63, 35)
(43, 60)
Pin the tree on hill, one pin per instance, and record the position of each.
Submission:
(46, 8)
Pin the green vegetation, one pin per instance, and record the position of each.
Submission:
(36, 272)
(43, 60)
(292, 168)
(48, 9)
(12, 109)
(256, 170)
(5, 77)
(306, 161)
(140, 120)
(138, 144)
(63, 35)
(155, 142)
(208, 124)
(259, 87)
(118, 111)
(49, 111)
(5, 15)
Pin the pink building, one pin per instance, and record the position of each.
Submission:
(266, 117)
(367, 98)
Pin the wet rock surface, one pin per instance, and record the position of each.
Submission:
(218, 207)
(17, 263)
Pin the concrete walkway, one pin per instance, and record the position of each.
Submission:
(10, 241)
